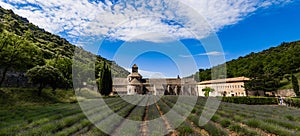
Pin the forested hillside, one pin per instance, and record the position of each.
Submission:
(25, 47)
(267, 68)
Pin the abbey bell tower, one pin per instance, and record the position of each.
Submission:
(135, 69)
(135, 85)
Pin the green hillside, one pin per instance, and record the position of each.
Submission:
(270, 69)
(24, 46)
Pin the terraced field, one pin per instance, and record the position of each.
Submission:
(149, 116)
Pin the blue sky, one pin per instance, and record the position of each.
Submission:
(166, 37)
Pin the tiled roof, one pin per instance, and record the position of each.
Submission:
(120, 81)
(135, 82)
(134, 75)
(227, 80)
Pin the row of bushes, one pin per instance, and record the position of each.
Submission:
(251, 100)
(292, 102)
(28, 96)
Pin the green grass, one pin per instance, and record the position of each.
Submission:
(10, 97)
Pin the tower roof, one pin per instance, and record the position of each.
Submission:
(134, 66)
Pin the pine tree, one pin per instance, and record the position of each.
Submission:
(295, 85)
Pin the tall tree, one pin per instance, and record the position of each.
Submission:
(295, 85)
(105, 82)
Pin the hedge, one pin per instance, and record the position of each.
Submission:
(292, 101)
(251, 100)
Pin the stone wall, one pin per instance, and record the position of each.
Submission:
(16, 79)
(256, 93)
(286, 93)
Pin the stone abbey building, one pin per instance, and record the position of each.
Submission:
(135, 84)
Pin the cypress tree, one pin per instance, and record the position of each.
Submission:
(295, 85)
(105, 83)
(102, 79)
(109, 87)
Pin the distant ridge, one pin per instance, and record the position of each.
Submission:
(270, 66)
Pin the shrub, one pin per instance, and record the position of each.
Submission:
(253, 123)
(213, 130)
(185, 130)
(215, 118)
(194, 110)
(275, 129)
(241, 130)
(235, 127)
(225, 123)
(290, 117)
(237, 118)
(251, 100)
(295, 85)
(292, 102)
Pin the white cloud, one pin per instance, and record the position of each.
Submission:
(5, 5)
(213, 53)
(150, 20)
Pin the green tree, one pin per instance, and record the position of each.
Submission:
(295, 85)
(45, 75)
(17, 54)
(204, 74)
(206, 91)
(105, 80)
(64, 65)
(1, 27)
(83, 69)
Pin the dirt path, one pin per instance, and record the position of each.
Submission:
(83, 130)
(198, 130)
(229, 132)
(258, 130)
(118, 127)
(144, 125)
(166, 122)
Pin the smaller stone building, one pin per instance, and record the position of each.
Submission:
(224, 87)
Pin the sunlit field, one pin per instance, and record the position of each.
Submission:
(230, 119)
